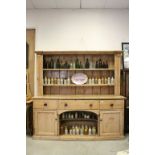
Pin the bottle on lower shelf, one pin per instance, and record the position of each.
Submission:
(78, 130)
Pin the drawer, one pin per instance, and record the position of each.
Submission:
(78, 104)
(45, 104)
(111, 104)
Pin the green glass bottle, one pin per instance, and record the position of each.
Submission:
(58, 63)
(87, 64)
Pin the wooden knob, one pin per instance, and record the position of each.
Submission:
(66, 104)
(45, 104)
(111, 104)
(90, 105)
(100, 119)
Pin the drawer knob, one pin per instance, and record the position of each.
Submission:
(66, 104)
(111, 104)
(45, 104)
(90, 105)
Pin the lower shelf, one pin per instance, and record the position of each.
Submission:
(77, 137)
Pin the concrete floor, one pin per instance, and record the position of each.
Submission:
(47, 147)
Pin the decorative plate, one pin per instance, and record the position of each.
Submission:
(79, 78)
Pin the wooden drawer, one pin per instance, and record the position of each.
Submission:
(111, 104)
(45, 104)
(78, 104)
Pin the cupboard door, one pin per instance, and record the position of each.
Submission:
(45, 122)
(111, 123)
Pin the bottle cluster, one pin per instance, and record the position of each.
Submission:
(66, 81)
(58, 81)
(78, 115)
(101, 64)
(51, 63)
(78, 130)
(103, 80)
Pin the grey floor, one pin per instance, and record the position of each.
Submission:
(48, 147)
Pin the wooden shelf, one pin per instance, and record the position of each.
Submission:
(84, 85)
(78, 69)
(78, 119)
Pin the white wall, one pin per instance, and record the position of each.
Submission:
(87, 29)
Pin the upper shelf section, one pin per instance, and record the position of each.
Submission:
(77, 52)
(79, 69)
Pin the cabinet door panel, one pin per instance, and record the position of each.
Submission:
(111, 123)
(45, 122)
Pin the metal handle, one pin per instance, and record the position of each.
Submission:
(45, 104)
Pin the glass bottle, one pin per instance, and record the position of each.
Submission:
(73, 129)
(112, 80)
(77, 130)
(77, 63)
(90, 131)
(92, 80)
(45, 81)
(65, 65)
(58, 63)
(76, 115)
(49, 81)
(68, 80)
(106, 80)
(106, 64)
(80, 65)
(103, 65)
(99, 81)
(71, 64)
(86, 130)
(51, 63)
(109, 80)
(89, 81)
(100, 63)
(66, 130)
(70, 131)
(87, 64)
(58, 81)
(93, 130)
(96, 80)
(97, 64)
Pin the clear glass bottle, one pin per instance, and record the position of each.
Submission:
(93, 130)
(99, 80)
(45, 80)
(76, 115)
(68, 80)
(66, 130)
(109, 80)
(106, 80)
(112, 80)
(89, 81)
(90, 131)
(49, 81)
(92, 80)
(86, 130)
(61, 81)
(73, 129)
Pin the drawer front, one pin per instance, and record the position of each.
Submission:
(111, 104)
(45, 104)
(78, 104)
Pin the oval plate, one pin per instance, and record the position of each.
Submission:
(79, 78)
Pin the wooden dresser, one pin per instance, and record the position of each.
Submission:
(66, 111)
